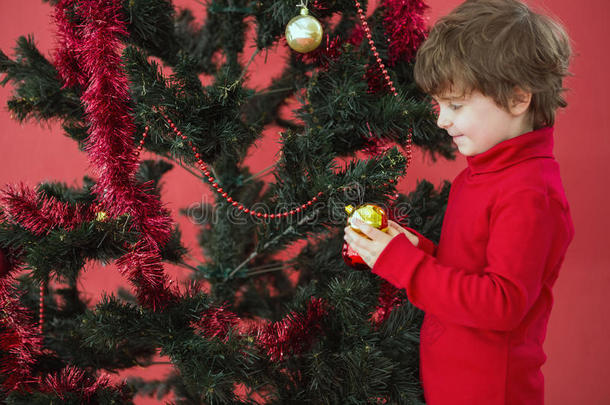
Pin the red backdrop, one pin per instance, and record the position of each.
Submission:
(578, 331)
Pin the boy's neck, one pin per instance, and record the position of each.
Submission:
(537, 143)
(520, 126)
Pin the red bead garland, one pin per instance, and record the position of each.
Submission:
(144, 135)
(204, 169)
(383, 69)
(41, 308)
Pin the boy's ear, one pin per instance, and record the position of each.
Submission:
(520, 101)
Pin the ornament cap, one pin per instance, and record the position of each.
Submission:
(304, 10)
(349, 209)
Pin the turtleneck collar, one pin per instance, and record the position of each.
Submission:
(534, 144)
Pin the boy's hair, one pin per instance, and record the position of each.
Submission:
(492, 46)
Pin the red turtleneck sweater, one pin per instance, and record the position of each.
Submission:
(486, 288)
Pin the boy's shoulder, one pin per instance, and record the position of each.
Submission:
(521, 172)
(532, 172)
(534, 181)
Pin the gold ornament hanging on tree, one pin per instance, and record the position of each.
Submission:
(101, 216)
(304, 32)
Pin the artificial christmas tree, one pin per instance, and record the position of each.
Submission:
(241, 331)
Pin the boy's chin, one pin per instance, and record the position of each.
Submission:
(464, 150)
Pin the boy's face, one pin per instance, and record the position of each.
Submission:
(476, 123)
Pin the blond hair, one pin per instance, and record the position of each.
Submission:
(493, 46)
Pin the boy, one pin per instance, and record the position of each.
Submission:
(495, 69)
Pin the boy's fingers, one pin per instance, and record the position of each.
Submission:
(392, 231)
(395, 225)
(353, 239)
(367, 229)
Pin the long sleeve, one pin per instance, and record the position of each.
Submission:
(495, 297)
(424, 244)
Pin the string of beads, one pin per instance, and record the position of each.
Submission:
(213, 182)
(208, 176)
(41, 307)
(384, 71)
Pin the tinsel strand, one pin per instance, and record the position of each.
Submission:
(66, 56)
(40, 214)
(110, 142)
(216, 322)
(74, 380)
(20, 343)
(388, 301)
(294, 333)
(405, 27)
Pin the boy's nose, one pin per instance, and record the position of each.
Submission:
(442, 120)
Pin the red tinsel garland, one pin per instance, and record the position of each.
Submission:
(216, 322)
(73, 380)
(97, 42)
(294, 333)
(388, 300)
(143, 268)
(321, 56)
(20, 343)
(66, 57)
(38, 214)
(405, 27)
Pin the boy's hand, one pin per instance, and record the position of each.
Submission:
(371, 246)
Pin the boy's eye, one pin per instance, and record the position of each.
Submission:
(455, 106)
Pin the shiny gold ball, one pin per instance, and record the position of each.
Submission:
(304, 32)
(101, 216)
(370, 214)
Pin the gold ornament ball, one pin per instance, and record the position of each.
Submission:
(101, 216)
(304, 32)
(370, 214)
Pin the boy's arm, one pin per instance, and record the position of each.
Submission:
(527, 232)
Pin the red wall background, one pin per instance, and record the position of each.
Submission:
(578, 332)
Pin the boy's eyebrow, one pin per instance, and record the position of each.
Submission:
(450, 98)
